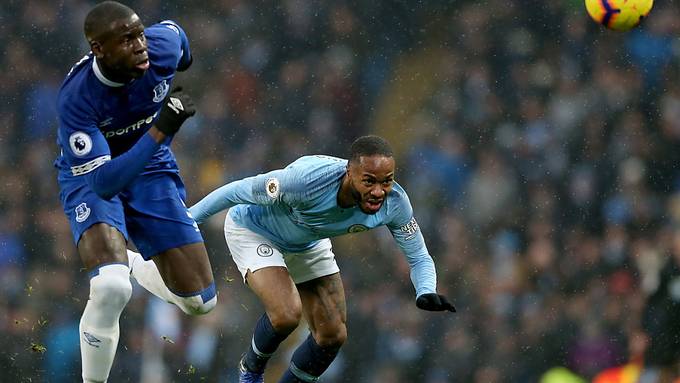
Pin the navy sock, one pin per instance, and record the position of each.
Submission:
(309, 361)
(266, 341)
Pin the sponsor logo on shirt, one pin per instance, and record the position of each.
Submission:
(410, 229)
(130, 128)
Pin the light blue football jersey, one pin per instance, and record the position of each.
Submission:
(297, 206)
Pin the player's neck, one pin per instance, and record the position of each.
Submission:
(345, 198)
(110, 75)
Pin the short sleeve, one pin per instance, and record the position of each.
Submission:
(84, 147)
(170, 45)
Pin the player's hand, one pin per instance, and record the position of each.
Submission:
(434, 302)
(177, 107)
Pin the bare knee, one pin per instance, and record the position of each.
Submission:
(331, 336)
(285, 320)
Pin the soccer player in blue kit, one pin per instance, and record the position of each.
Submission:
(119, 180)
(278, 229)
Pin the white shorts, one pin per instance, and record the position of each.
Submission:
(252, 251)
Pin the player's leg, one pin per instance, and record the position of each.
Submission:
(264, 270)
(174, 263)
(99, 232)
(323, 303)
(277, 292)
(102, 250)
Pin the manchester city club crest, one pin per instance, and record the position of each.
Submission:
(160, 91)
(264, 250)
(358, 228)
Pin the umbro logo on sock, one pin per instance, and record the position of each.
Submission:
(91, 339)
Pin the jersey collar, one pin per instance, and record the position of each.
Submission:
(100, 76)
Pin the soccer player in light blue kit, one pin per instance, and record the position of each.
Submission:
(278, 229)
(119, 180)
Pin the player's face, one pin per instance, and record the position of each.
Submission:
(372, 178)
(123, 50)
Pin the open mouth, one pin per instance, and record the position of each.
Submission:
(374, 205)
(143, 65)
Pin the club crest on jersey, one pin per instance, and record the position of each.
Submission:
(272, 188)
(160, 91)
(357, 228)
(80, 143)
(265, 250)
(82, 212)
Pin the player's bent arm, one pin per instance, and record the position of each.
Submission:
(110, 178)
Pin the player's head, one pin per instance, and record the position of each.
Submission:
(116, 37)
(371, 172)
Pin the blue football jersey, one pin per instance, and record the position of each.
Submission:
(297, 206)
(100, 119)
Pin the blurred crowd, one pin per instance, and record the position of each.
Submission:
(539, 150)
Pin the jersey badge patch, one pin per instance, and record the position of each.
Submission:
(357, 228)
(272, 188)
(80, 143)
(265, 250)
(82, 212)
(160, 91)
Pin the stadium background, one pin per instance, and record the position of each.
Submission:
(539, 151)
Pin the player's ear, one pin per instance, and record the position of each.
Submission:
(96, 49)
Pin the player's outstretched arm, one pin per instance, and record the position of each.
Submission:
(262, 189)
(110, 178)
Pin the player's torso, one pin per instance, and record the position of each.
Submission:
(324, 218)
(318, 215)
(123, 112)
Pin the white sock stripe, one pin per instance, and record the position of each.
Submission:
(302, 375)
(257, 351)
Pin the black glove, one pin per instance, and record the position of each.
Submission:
(177, 107)
(434, 302)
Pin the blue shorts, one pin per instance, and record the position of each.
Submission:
(150, 211)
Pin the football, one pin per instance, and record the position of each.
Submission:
(619, 15)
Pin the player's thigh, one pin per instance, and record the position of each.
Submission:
(98, 225)
(185, 269)
(324, 307)
(157, 217)
(264, 270)
(102, 244)
(278, 294)
(161, 228)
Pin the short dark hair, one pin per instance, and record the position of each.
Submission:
(369, 146)
(102, 15)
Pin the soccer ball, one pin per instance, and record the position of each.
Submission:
(619, 15)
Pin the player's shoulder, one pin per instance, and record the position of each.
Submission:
(76, 90)
(398, 194)
(398, 204)
(164, 41)
(312, 174)
(318, 165)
